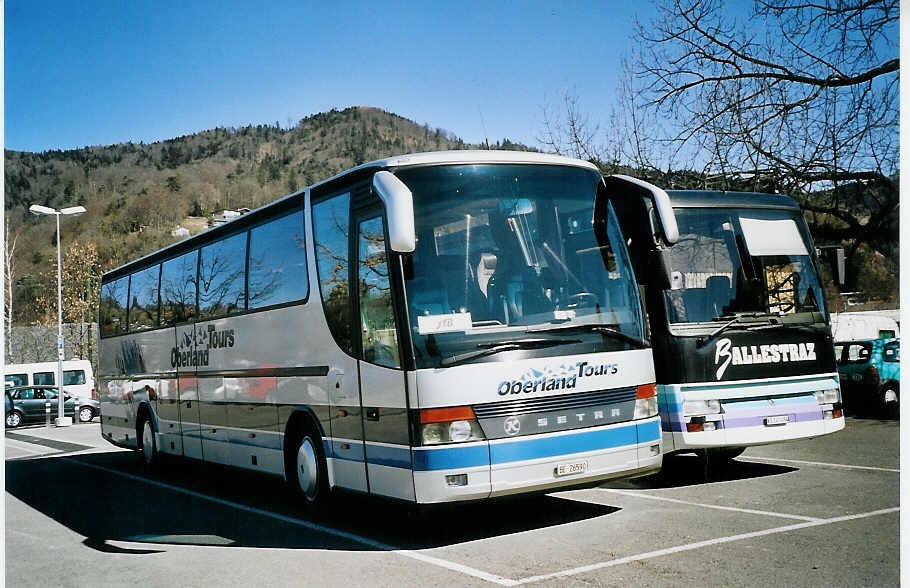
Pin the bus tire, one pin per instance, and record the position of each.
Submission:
(306, 470)
(148, 446)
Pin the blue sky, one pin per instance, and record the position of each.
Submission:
(102, 72)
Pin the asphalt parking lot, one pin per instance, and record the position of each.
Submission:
(820, 512)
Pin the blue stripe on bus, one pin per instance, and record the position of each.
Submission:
(354, 452)
(445, 458)
(521, 450)
(396, 457)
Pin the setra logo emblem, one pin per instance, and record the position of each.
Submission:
(511, 425)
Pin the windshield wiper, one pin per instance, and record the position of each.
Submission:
(595, 328)
(735, 320)
(499, 346)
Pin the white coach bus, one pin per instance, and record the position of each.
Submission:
(432, 327)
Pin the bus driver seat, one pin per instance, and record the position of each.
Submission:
(486, 267)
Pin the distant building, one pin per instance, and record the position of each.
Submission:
(227, 215)
(180, 232)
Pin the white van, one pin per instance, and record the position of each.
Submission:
(78, 378)
(874, 324)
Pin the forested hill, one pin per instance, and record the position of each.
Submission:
(152, 187)
(136, 194)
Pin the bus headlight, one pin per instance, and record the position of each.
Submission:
(700, 407)
(645, 407)
(459, 431)
(645, 401)
(449, 425)
(432, 433)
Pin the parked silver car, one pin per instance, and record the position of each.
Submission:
(30, 404)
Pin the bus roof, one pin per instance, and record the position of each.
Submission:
(720, 199)
(389, 163)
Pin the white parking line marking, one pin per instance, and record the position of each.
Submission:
(639, 494)
(758, 458)
(314, 526)
(700, 544)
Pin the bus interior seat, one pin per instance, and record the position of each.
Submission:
(517, 294)
(486, 267)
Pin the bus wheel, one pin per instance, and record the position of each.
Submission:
(149, 447)
(309, 475)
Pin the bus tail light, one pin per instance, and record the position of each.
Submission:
(456, 424)
(830, 400)
(699, 424)
(645, 401)
(701, 407)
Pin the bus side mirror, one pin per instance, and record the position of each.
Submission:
(834, 254)
(399, 208)
(661, 202)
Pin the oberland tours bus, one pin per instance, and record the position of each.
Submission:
(432, 327)
(739, 328)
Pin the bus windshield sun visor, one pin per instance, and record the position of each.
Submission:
(399, 207)
(772, 237)
(662, 205)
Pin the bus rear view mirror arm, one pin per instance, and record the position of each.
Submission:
(399, 207)
(662, 205)
(662, 269)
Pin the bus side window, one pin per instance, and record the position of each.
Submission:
(112, 309)
(222, 277)
(377, 317)
(178, 289)
(278, 272)
(331, 220)
(144, 299)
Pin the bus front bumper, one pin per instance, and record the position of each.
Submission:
(537, 463)
(754, 414)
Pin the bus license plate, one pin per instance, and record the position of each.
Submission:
(782, 419)
(571, 468)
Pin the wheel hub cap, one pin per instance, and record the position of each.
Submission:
(147, 449)
(307, 472)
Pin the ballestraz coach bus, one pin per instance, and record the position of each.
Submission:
(740, 332)
(433, 327)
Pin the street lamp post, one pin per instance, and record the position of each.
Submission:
(37, 209)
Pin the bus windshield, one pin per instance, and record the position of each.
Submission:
(731, 262)
(512, 255)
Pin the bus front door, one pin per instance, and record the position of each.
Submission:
(382, 381)
(346, 452)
